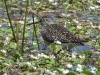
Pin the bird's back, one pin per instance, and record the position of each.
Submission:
(50, 36)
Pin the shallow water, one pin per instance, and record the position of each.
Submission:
(94, 18)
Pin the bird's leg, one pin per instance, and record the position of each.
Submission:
(45, 46)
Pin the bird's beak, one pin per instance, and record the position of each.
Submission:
(41, 19)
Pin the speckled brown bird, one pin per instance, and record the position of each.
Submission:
(49, 36)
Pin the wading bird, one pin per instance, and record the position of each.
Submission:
(50, 36)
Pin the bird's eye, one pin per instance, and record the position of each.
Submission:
(46, 20)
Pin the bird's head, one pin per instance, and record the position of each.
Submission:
(47, 19)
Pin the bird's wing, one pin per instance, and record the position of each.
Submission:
(67, 34)
(49, 35)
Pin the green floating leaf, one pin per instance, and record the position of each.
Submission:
(71, 73)
(1, 44)
(27, 34)
(58, 47)
(2, 54)
(72, 28)
(87, 73)
(13, 45)
(99, 41)
(52, 61)
(35, 45)
(16, 56)
(98, 73)
(1, 4)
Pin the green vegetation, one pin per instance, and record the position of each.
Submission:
(18, 41)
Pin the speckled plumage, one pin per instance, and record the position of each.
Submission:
(50, 36)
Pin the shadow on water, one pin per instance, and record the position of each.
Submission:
(15, 73)
(5, 26)
(82, 48)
